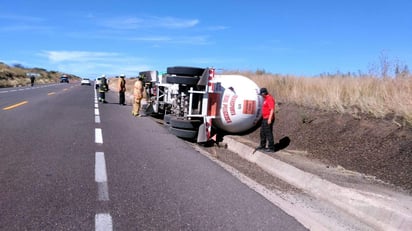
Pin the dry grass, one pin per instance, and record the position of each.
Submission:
(379, 97)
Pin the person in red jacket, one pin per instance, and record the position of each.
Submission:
(268, 119)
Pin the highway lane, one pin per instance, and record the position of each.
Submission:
(46, 178)
(11, 96)
(151, 179)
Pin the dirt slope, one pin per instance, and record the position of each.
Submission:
(377, 147)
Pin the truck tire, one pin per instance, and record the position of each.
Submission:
(185, 71)
(187, 80)
(184, 134)
(185, 124)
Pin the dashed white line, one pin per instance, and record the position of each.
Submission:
(100, 168)
(96, 112)
(98, 136)
(100, 176)
(103, 222)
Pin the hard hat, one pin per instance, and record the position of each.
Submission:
(122, 76)
(103, 76)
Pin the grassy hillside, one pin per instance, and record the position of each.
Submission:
(14, 76)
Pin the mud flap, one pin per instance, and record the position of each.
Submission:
(202, 133)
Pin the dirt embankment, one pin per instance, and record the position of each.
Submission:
(377, 147)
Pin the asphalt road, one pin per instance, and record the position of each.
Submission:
(69, 163)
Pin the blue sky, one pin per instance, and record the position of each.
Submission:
(305, 38)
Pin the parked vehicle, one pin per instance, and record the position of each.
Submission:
(85, 81)
(197, 104)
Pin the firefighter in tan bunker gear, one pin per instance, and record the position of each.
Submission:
(122, 90)
(138, 95)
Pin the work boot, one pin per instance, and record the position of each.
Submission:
(260, 148)
(269, 150)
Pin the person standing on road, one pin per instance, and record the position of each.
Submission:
(138, 95)
(32, 78)
(268, 119)
(103, 88)
(122, 90)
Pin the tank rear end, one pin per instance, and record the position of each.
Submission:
(240, 104)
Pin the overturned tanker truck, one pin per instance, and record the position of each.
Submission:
(199, 105)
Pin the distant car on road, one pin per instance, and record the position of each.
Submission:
(64, 79)
(86, 81)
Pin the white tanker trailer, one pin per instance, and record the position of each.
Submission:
(197, 104)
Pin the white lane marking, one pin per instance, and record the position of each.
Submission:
(97, 119)
(96, 105)
(100, 176)
(103, 222)
(100, 168)
(96, 111)
(98, 136)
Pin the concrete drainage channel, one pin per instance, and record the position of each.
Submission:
(379, 211)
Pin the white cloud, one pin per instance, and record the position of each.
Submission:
(25, 27)
(169, 22)
(20, 18)
(130, 23)
(14, 22)
(193, 40)
(151, 38)
(217, 28)
(92, 64)
(77, 56)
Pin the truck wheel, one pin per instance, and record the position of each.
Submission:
(185, 124)
(184, 134)
(185, 71)
(182, 80)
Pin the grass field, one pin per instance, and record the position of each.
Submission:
(378, 97)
